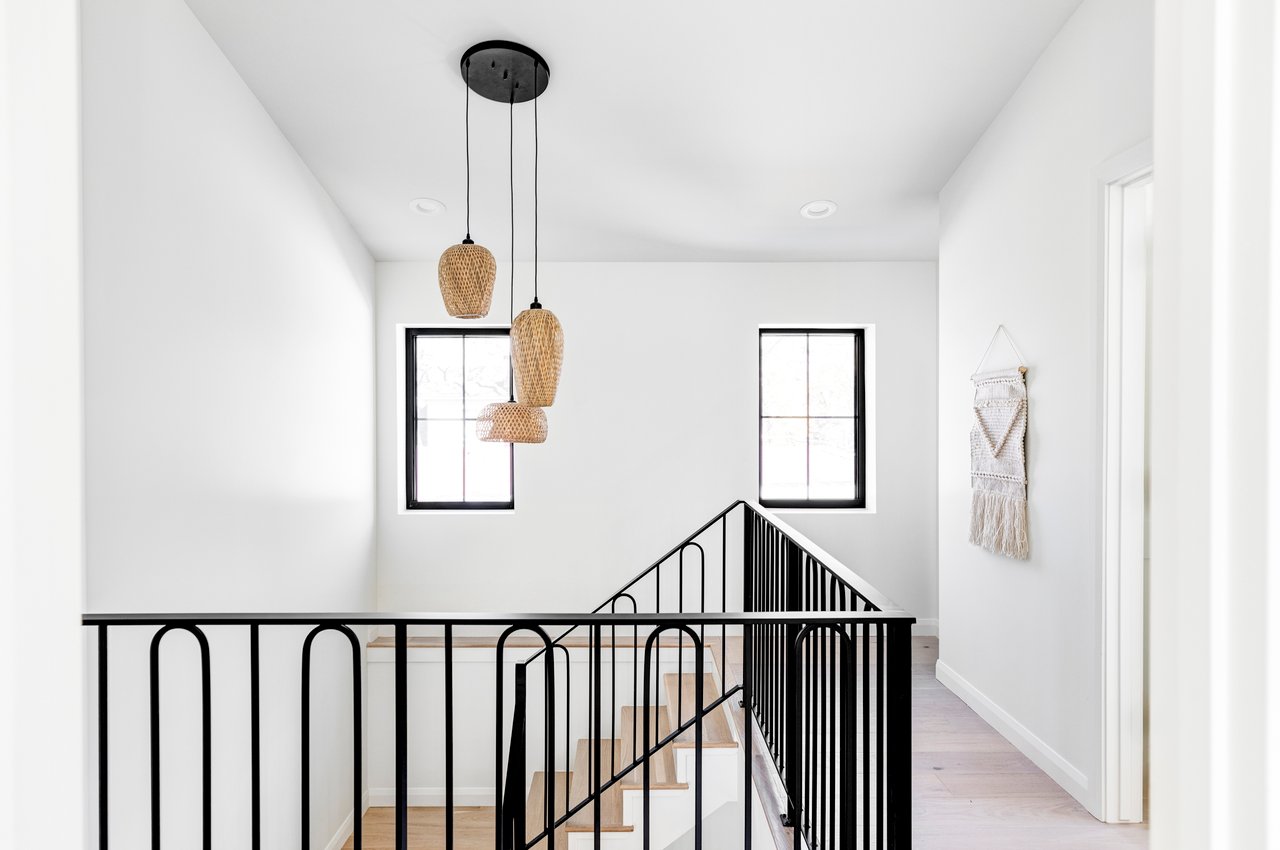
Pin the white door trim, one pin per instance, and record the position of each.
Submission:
(1124, 502)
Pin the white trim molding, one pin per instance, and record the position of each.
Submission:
(1125, 281)
(348, 826)
(1045, 757)
(925, 627)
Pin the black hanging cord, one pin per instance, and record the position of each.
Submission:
(467, 122)
(511, 158)
(535, 303)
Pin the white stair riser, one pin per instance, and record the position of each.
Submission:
(671, 810)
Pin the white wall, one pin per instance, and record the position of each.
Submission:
(1215, 449)
(654, 431)
(41, 459)
(229, 408)
(1020, 242)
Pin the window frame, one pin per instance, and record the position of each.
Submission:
(859, 417)
(411, 501)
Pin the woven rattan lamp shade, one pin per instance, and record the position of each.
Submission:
(467, 271)
(511, 422)
(537, 351)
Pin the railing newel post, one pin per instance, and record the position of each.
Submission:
(898, 764)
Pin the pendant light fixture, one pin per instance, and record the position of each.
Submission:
(467, 270)
(537, 339)
(511, 421)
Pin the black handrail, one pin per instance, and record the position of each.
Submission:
(826, 664)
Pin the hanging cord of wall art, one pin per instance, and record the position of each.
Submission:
(1001, 329)
(998, 520)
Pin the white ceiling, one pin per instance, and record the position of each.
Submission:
(671, 130)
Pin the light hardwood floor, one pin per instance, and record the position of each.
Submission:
(972, 790)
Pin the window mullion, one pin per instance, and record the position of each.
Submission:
(808, 423)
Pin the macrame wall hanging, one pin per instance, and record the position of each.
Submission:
(998, 453)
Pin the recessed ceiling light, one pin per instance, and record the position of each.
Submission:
(426, 206)
(819, 209)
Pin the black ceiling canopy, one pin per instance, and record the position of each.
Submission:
(505, 71)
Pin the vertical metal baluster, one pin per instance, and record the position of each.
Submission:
(791, 778)
(206, 736)
(679, 651)
(613, 699)
(206, 742)
(635, 682)
(747, 696)
(657, 608)
(103, 762)
(880, 712)
(898, 757)
(568, 722)
(833, 646)
(448, 737)
(644, 754)
(155, 741)
(357, 738)
(866, 734)
(255, 742)
(517, 768)
(402, 736)
(820, 818)
(724, 593)
(549, 744)
(793, 673)
(811, 698)
(305, 758)
(597, 638)
(497, 753)
(848, 741)
(698, 698)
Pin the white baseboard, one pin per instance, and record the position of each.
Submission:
(433, 795)
(347, 827)
(925, 627)
(1071, 778)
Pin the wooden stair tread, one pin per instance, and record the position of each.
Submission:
(662, 767)
(580, 789)
(715, 726)
(535, 814)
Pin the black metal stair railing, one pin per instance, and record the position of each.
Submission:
(825, 665)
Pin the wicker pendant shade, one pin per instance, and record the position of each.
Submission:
(467, 272)
(511, 422)
(537, 351)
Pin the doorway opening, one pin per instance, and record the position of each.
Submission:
(1127, 192)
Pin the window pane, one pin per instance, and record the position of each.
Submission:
(782, 374)
(782, 458)
(488, 469)
(440, 459)
(488, 371)
(440, 378)
(831, 370)
(832, 467)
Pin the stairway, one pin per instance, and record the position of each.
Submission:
(671, 773)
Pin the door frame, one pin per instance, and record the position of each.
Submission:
(1124, 441)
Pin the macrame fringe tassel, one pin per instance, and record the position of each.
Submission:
(998, 523)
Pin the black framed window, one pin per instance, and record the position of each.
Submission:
(812, 418)
(451, 374)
